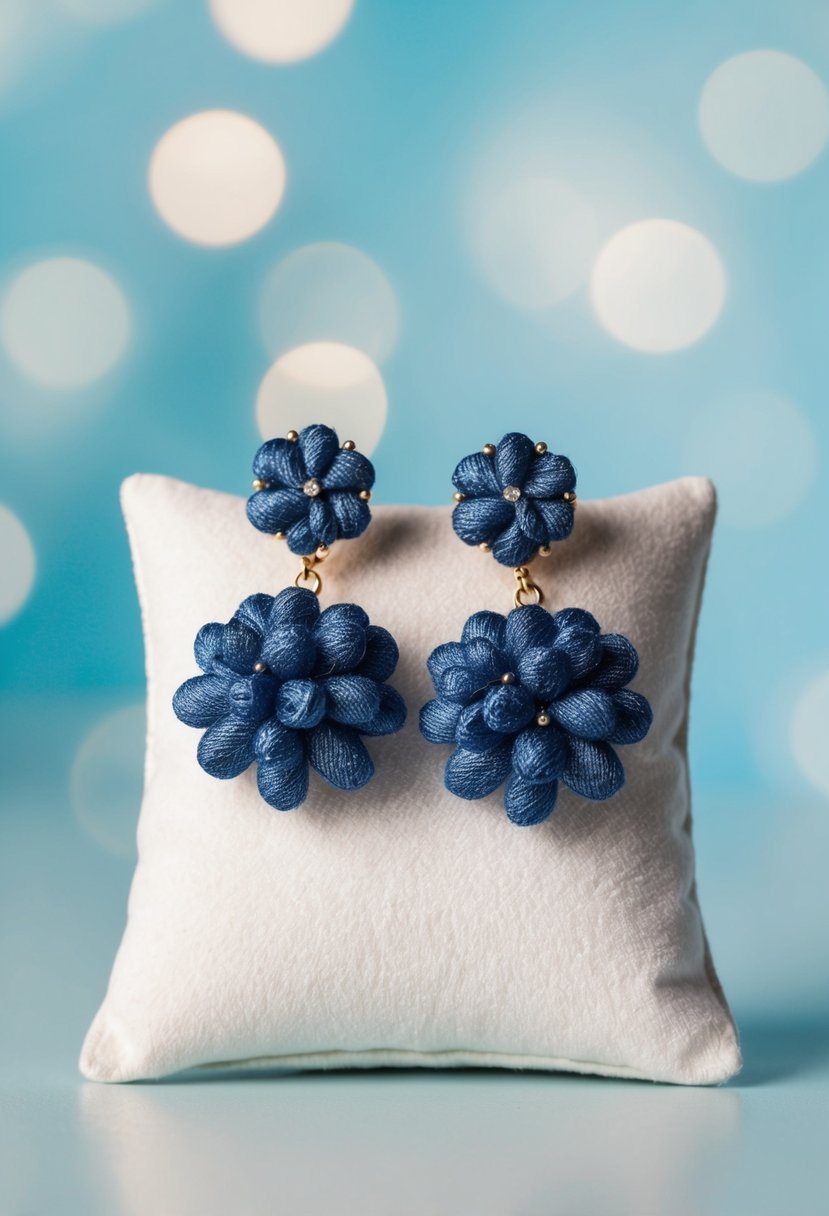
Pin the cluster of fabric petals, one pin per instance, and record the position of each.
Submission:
(507, 675)
(286, 686)
(513, 499)
(311, 489)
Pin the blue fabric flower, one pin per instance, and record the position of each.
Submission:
(311, 489)
(514, 499)
(533, 699)
(285, 686)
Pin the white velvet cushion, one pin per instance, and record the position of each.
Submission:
(399, 925)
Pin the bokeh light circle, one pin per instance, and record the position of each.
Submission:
(324, 382)
(17, 564)
(761, 452)
(107, 779)
(534, 239)
(810, 731)
(64, 322)
(764, 115)
(657, 285)
(280, 31)
(105, 12)
(331, 292)
(216, 177)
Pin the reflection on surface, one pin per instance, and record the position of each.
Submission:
(407, 1142)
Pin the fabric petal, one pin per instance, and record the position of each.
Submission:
(439, 720)
(351, 513)
(255, 611)
(527, 627)
(276, 510)
(459, 684)
(475, 476)
(208, 646)
(528, 804)
(476, 774)
(352, 700)
(251, 698)
(318, 445)
(587, 713)
(508, 708)
(340, 635)
(568, 618)
(283, 789)
(489, 625)
(479, 520)
(550, 476)
(633, 717)
(484, 659)
(241, 646)
(593, 770)
(349, 470)
(390, 717)
(301, 537)
(382, 653)
(289, 651)
(226, 748)
(513, 548)
(300, 704)
(322, 521)
(618, 665)
(201, 700)
(448, 654)
(512, 459)
(531, 523)
(540, 753)
(280, 746)
(558, 517)
(279, 462)
(472, 732)
(545, 671)
(582, 648)
(340, 756)
(294, 606)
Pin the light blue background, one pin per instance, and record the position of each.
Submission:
(382, 135)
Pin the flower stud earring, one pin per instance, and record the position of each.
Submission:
(285, 685)
(532, 699)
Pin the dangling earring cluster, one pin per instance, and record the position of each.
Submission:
(284, 685)
(531, 699)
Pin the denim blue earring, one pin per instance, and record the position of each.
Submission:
(284, 685)
(533, 698)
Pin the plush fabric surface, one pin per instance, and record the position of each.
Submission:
(398, 924)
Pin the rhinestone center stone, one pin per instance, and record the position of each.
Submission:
(512, 493)
(311, 487)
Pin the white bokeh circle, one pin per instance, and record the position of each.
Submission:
(107, 779)
(280, 31)
(105, 12)
(764, 115)
(324, 382)
(329, 292)
(533, 239)
(809, 732)
(761, 452)
(216, 177)
(658, 285)
(17, 564)
(64, 322)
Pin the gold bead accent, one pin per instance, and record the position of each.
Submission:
(484, 547)
(365, 495)
(569, 496)
(349, 445)
(458, 497)
(260, 485)
(292, 436)
(260, 667)
(543, 719)
(545, 550)
(279, 535)
(507, 678)
(489, 449)
(541, 448)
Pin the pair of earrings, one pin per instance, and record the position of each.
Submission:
(528, 700)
